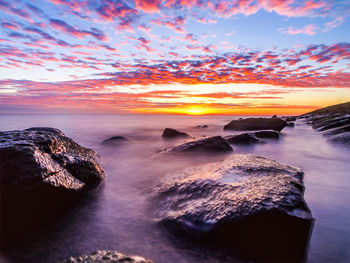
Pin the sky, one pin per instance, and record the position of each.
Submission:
(255, 57)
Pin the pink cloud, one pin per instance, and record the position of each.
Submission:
(148, 6)
(307, 30)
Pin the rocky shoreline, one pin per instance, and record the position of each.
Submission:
(333, 122)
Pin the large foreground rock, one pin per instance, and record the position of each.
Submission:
(103, 256)
(246, 202)
(211, 144)
(41, 171)
(252, 124)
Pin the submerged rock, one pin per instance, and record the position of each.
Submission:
(103, 256)
(114, 140)
(211, 144)
(246, 202)
(290, 124)
(243, 138)
(256, 124)
(41, 170)
(267, 134)
(171, 133)
(202, 126)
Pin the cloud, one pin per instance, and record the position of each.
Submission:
(307, 30)
(177, 24)
(148, 6)
(333, 24)
(66, 28)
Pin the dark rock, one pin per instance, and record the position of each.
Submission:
(103, 256)
(338, 130)
(332, 121)
(202, 126)
(290, 124)
(256, 124)
(335, 123)
(274, 117)
(246, 202)
(267, 134)
(343, 138)
(243, 138)
(289, 118)
(171, 133)
(40, 170)
(211, 144)
(114, 140)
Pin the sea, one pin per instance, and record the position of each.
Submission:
(118, 214)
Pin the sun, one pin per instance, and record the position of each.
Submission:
(186, 110)
(196, 110)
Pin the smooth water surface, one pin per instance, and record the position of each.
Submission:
(117, 215)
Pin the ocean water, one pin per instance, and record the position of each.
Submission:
(117, 215)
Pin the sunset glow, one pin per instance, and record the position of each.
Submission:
(196, 57)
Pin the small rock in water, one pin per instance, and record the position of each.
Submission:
(114, 140)
(202, 126)
(103, 256)
(253, 124)
(211, 144)
(171, 133)
(267, 134)
(243, 138)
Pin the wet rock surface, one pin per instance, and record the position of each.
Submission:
(172, 133)
(248, 203)
(267, 134)
(251, 124)
(41, 171)
(202, 126)
(103, 256)
(211, 144)
(243, 138)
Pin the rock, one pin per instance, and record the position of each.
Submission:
(290, 124)
(202, 126)
(289, 118)
(48, 160)
(171, 133)
(245, 202)
(274, 117)
(256, 124)
(267, 134)
(211, 144)
(41, 170)
(332, 121)
(114, 140)
(103, 256)
(343, 138)
(338, 130)
(243, 138)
